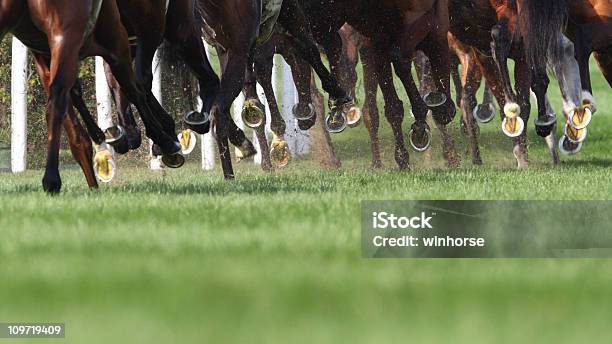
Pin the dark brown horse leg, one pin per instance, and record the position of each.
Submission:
(501, 46)
(251, 97)
(80, 146)
(370, 106)
(302, 77)
(76, 95)
(604, 60)
(124, 110)
(292, 18)
(471, 82)
(279, 148)
(62, 76)
(80, 143)
(437, 49)
(522, 76)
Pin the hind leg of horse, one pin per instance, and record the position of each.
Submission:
(471, 83)
(251, 97)
(370, 106)
(292, 18)
(522, 76)
(76, 95)
(124, 110)
(501, 46)
(546, 120)
(604, 60)
(302, 77)
(80, 146)
(436, 48)
(263, 68)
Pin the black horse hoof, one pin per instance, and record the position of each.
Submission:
(568, 147)
(197, 121)
(307, 124)
(117, 138)
(134, 138)
(52, 184)
(335, 122)
(545, 126)
(443, 114)
(303, 112)
(420, 137)
(175, 160)
(484, 113)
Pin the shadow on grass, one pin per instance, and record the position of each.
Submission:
(594, 162)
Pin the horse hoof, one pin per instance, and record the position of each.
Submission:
(134, 139)
(435, 99)
(197, 121)
(512, 125)
(580, 118)
(52, 184)
(353, 116)
(303, 112)
(245, 151)
(188, 139)
(117, 138)
(484, 113)
(279, 154)
(420, 138)
(575, 135)
(253, 115)
(546, 125)
(174, 160)
(104, 165)
(307, 124)
(568, 147)
(335, 122)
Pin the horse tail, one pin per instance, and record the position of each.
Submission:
(541, 25)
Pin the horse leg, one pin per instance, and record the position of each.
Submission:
(522, 76)
(301, 72)
(370, 106)
(124, 110)
(604, 60)
(471, 83)
(76, 95)
(252, 101)
(501, 46)
(280, 149)
(437, 49)
(292, 18)
(54, 84)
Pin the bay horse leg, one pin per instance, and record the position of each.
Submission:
(279, 148)
(522, 76)
(501, 45)
(112, 44)
(604, 60)
(293, 20)
(471, 83)
(124, 110)
(302, 78)
(251, 97)
(437, 49)
(370, 106)
(80, 143)
(62, 76)
(394, 108)
(76, 95)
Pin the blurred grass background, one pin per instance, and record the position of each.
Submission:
(185, 257)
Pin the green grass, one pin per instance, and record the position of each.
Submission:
(275, 258)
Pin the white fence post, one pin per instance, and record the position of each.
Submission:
(155, 164)
(19, 106)
(103, 96)
(207, 140)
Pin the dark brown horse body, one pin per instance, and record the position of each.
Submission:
(60, 33)
(590, 28)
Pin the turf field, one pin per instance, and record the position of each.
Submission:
(275, 258)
